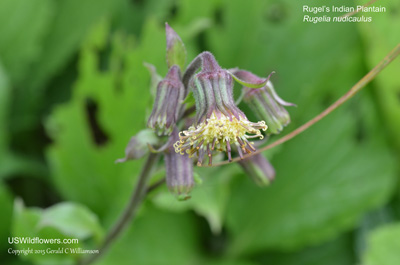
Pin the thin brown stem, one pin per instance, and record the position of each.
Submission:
(155, 185)
(356, 10)
(356, 88)
(126, 217)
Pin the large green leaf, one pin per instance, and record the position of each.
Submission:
(325, 181)
(313, 198)
(61, 222)
(70, 22)
(269, 36)
(337, 251)
(23, 26)
(72, 219)
(117, 97)
(383, 246)
(157, 237)
(4, 105)
(9, 162)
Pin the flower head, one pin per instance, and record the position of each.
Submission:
(168, 103)
(179, 172)
(219, 123)
(265, 103)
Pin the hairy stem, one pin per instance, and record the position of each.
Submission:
(349, 94)
(130, 210)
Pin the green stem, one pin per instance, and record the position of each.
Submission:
(129, 212)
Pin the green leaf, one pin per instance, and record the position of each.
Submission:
(380, 37)
(9, 162)
(156, 237)
(23, 26)
(4, 105)
(73, 220)
(226, 261)
(60, 222)
(314, 197)
(71, 23)
(117, 97)
(155, 78)
(5, 221)
(68, 25)
(208, 199)
(269, 37)
(337, 251)
(383, 246)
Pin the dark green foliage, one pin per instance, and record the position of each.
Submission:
(73, 90)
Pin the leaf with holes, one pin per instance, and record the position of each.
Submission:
(107, 107)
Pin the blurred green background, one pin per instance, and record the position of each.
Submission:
(73, 90)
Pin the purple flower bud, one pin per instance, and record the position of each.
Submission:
(219, 122)
(259, 169)
(265, 103)
(137, 146)
(169, 100)
(179, 169)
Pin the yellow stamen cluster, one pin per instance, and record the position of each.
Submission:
(219, 133)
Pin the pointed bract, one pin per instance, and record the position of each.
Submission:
(169, 101)
(137, 146)
(176, 51)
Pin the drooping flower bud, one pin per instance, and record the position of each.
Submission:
(259, 169)
(265, 103)
(137, 146)
(168, 103)
(179, 172)
(219, 123)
